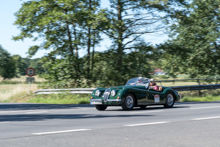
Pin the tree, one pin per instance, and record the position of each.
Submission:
(129, 20)
(194, 48)
(89, 22)
(7, 64)
(65, 26)
(135, 63)
(20, 64)
(37, 64)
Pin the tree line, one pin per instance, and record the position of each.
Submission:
(15, 66)
(66, 27)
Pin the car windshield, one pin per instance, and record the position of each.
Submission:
(137, 82)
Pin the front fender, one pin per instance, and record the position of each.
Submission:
(101, 90)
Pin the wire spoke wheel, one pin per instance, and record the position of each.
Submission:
(129, 102)
(170, 100)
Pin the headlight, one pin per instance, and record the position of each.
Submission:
(97, 93)
(113, 93)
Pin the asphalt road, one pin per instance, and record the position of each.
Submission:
(44, 125)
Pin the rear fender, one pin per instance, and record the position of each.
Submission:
(169, 90)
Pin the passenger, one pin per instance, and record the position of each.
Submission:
(154, 86)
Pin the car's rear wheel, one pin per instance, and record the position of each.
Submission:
(170, 100)
(129, 102)
(100, 107)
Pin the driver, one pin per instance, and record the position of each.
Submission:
(154, 86)
(140, 82)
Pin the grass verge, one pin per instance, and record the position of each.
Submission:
(201, 99)
(9, 91)
(62, 98)
(65, 98)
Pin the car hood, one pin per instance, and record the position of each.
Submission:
(125, 87)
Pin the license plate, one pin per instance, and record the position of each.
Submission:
(95, 102)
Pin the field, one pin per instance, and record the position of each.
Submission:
(16, 87)
(22, 79)
(17, 90)
(11, 90)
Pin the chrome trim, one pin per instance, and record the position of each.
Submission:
(107, 94)
(100, 100)
(114, 100)
(170, 99)
(129, 101)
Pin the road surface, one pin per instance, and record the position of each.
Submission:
(45, 125)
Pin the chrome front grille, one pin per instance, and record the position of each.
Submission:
(107, 94)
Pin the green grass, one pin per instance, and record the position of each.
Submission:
(63, 98)
(201, 99)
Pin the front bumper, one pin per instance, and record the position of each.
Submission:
(101, 101)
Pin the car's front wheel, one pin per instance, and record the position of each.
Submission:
(129, 102)
(100, 107)
(170, 100)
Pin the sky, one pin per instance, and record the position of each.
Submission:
(7, 30)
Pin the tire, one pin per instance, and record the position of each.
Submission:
(100, 107)
(170, 100)
(129, 102)
(143, 107)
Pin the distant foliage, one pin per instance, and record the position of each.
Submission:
(67, 27)
(15, 66)
(195, 45)
(21, 65)
(7, 64)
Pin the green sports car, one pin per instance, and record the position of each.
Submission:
(135, 93)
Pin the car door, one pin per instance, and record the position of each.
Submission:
(155, 97)
(142, 97)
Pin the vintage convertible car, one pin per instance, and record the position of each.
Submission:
(135, 93)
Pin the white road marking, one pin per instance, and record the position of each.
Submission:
(206, 107)
(57, 132)
(2, 112)
(36, 112)
(146, 111)
(4, 122)
(207, 118)
(23, 111)
(145, 124)
(84, 109)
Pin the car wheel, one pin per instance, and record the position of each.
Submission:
(170, 100)
(143, 107)
(129, 102)
(100, 107)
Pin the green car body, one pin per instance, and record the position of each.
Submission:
(130, 96)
